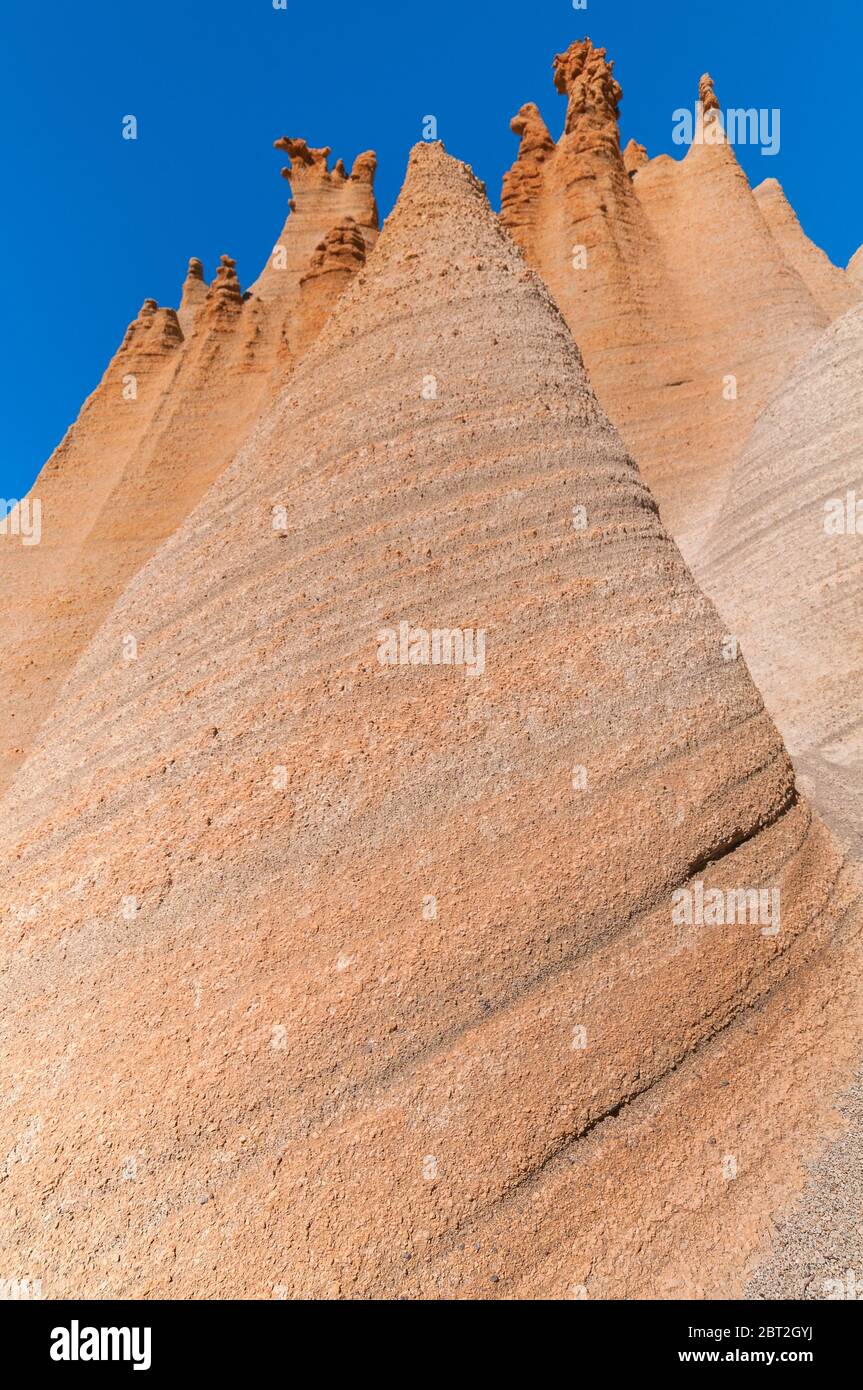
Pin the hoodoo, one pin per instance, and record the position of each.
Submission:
(689, 297)
(340, 978)
(194, 294)
(175, 404)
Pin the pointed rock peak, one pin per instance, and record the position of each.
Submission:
(320, 199)
(306, 163)
(710, 123)
(343, 248)
(442, 235)
(707, 93)
(436, 186)
(634, 156)
(364, 168)
(227, 272)
(193, 296)
(855, 265)
(171, 330)
(586, 76)
(771, 198)
(833, 291)
(225, 294)
(194, 285)
(153, 330)
(536, 142)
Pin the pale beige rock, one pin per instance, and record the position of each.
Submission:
(327, 977)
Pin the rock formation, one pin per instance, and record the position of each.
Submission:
(783, 563)
(830, 287)
(855, 265)
(688, 307)
(320, 200)
(333, 977)
(50, 589)
(174, 406)
(194, 294)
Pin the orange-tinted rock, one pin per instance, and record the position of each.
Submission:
(172, 409)
(321, 199)
(194, 294)
(682, 301)
(634, 156)
(333, 977)
(339, 257)
(829, 286)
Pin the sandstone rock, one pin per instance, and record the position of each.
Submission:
(170, 413)
(321, 200)
(783, 564)
(831, 288)
(53, 597)
(355, 950)
(194, 294)
(682, 301)
(634, 156)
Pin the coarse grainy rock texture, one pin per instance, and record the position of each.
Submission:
(816, 1250)
(332, 977)
(690, 298)
(784, 563)
(175, 404)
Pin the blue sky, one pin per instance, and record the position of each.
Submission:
(94, 224)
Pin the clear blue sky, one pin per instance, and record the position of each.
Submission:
(94, 224)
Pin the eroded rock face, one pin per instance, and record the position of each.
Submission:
(194, 294)
(831, 288)
(332, 976)
(783, 563)
(688, 307)
(50, 589)
(174, 406)
(321, 199)
(335, 261)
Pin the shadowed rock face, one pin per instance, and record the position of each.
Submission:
(397, 1004)
(688, 307)
(784, 563)
(175, 404)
